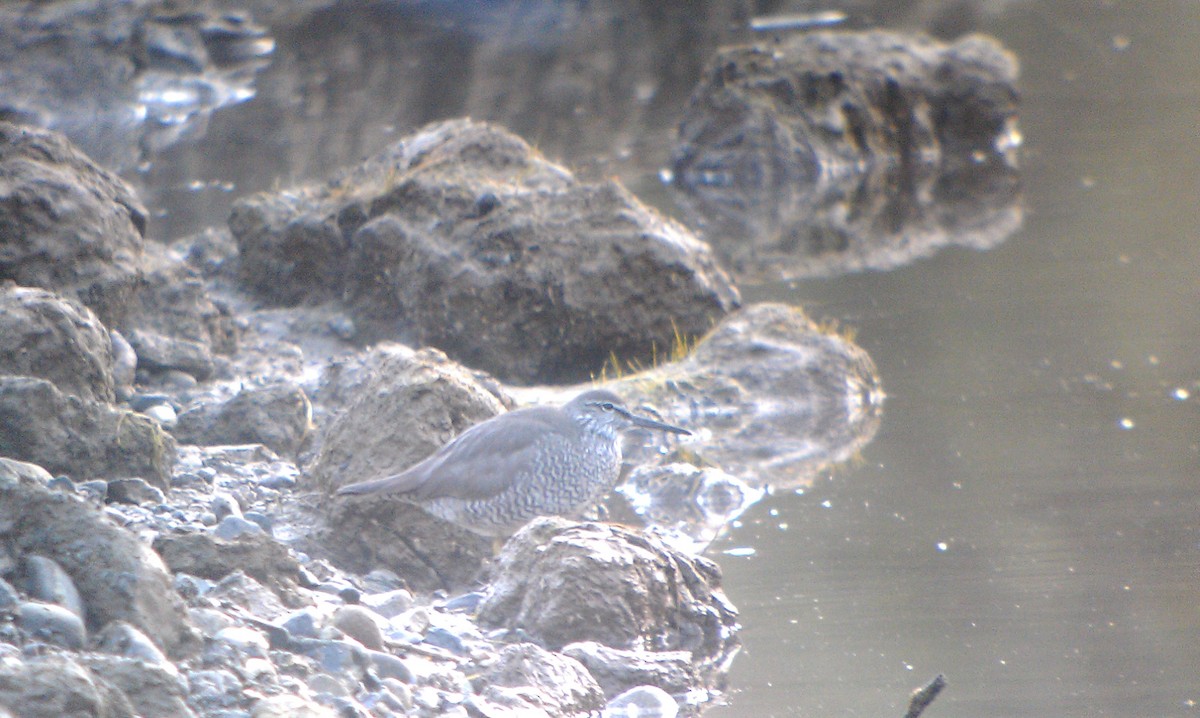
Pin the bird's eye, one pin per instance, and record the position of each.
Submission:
(606, 405)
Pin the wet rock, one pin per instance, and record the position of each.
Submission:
(560, 582)
(551, 275)
(56, 686)
(160, 352)
(46, 581)
(86, 439)
(134, 491)
(619, 670)
(46, 336)
(412, 403)
(122, 578)
(206, 556)
(278, 416)
(70, 226)
(529, 680)
(52, 624)
(728, 389)
(154, 689)
(828, 152)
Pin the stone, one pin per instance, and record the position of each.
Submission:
(410, 404)
(642, 702)
(57, 339)
(277, 415)
(360, 624)
(153, 689)
(160, 352)
(557, 582)
(134, 491)
(51, 623)
(122, 578)
(620, 670)
(546, 268)
(69, 225)
(57, 686)
(528, 680)
(82, 438)
(46, 581)
(122, 639)
(255, 553)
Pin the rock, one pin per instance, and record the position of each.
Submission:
(291, 706)
(529, 680)
(160, 352)
(8, 596)
(232, 528)
(70, 226)
(121, 639)
(46, 581)
(726, 391)
(51, 623)
(390, 603)
(153, 689)
(124, 365)
(122, 578)
(277, 415)
(559, 582)
(551, 276)
(56, 686)
(619, 670)
(163, 414)
(210, 690)
(828, 152)
(134, 491)
(49, 337)
(360, 624)
(243, 640)
(82, 438)
(413, 403)
(256, 554)
(642, 702)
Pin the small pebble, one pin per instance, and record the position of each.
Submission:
(389, 604)
(261, 519)
(223, 505)
(122, 639)
(8, 595)
(389, 666)
(246, 640)
(96, 489)
(134, 491)
(442, 638)
(61, 483)
(163, 414)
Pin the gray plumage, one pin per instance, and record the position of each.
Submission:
(499, 474)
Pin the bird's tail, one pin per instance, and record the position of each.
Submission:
(397, 483)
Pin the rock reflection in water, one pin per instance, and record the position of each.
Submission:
(773, 400)
(835, 152)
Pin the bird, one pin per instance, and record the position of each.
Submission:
(539, 461)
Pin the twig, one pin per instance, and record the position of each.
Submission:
(923, 696)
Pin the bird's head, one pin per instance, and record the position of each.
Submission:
(602, 412)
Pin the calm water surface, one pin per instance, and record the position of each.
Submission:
(1027, 520)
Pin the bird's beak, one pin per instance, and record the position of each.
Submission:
(647, 423)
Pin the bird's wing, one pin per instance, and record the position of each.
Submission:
(482, 461)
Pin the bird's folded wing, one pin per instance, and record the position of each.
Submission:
(484, 460)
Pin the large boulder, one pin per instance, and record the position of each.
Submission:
(119, 576)
(409, 406)
(462, 237)
(68, 224)
(558, 582)
(82, 438)
(46, 336)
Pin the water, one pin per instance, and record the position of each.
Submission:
(1027, 519)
